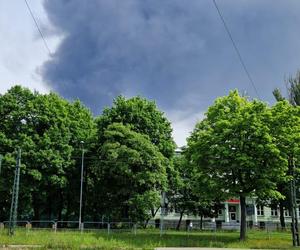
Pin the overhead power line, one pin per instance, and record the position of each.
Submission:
(37, 26)
(236, 49)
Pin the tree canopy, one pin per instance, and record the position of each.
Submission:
(133, 172)
(144, 117)
(242, 148)
(47, 128)
(234, 146)
(132, 120)
(293, 90)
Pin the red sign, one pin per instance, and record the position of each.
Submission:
(233, 201)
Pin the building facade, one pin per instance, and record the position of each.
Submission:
(229, 218)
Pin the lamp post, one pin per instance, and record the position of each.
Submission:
(162, 212)
(81, 182)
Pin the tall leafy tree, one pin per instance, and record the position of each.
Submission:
(180, 195)
(83, 137)
(190, 193)
(293, 97)
(144, 117)
(45, 127)
(285, 128)
(14, 106)
(133, 173)
(233, 145)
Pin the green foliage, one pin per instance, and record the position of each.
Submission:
(134, 142)
(293, 89)
(234, 146)
(242, 148)
(277, 94)
(286, 130)
(46, 127)
(190, 193)
(133, 172)
(144, 117)
(285, 127)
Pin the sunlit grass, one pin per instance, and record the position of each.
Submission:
(145, 239)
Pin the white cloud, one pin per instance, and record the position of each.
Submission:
(183, 124)
(22, 49)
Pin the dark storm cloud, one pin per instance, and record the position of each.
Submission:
(173, 51)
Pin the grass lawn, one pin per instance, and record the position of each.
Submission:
(145, 239)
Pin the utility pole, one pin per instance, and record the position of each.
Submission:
(81, 184)
(1, 157)
(295, 230)
(15, 195)
(162, 212)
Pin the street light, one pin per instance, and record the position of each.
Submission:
(162, 212)
(81, 182)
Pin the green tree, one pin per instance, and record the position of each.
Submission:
(13, 109)
(293, 97)
(45, 127)
(285, 129)
(233, 145)
(190, 193)
(82, 129)
(180, 195)
(133, 173)
(293, 88)
(144, 117)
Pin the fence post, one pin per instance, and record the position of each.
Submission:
(108, 228)
(134, 229)
(1, 226)
(81, 227)
(28, 226)
(54, 226)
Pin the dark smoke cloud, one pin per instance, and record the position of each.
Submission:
(173, 51)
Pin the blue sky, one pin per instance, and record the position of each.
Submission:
(175, 52)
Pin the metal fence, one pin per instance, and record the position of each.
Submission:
(130, 227)
(108, 227)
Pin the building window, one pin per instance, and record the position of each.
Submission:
(232, 208)
(287, 213)
(220, 212)
(274, 211)
(260, 210)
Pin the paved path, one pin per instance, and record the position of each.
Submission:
(198, 248)
(19, 247)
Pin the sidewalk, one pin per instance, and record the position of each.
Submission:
(198, 248)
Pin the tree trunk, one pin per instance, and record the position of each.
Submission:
(281, 215)
(68, 207)
(179, 222)
(49, 206)
(243, 217)
(201, 222)
(36, 207)
(85, 191)
(153, 213)
(60, 205)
